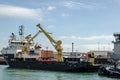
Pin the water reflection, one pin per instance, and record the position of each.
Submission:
(26, 74)
(58, 76)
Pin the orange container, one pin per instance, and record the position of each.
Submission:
(47, 54)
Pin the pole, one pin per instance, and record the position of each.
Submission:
(72, 47)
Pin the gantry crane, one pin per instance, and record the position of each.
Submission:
(55, 43)
(25, 48)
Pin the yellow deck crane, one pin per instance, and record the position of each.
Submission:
(55, 43)
(91, 57)
(25, 48)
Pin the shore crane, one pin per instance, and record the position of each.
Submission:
(55, 43)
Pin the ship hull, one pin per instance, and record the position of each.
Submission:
(44, 65)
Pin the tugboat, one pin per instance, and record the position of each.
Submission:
(21, 54)
(114, 69)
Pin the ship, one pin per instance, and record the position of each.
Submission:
(113, 70)
(23, 53)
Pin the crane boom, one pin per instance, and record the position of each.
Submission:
(56, 44)
(26, 46)
(46, 33)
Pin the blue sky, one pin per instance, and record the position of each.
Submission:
(90, 24)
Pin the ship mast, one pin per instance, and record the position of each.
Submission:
(21, 32)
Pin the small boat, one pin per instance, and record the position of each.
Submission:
(2, 60)
(109, 71)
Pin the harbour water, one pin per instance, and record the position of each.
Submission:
(25, 74)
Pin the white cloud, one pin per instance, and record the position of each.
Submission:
(20, 12)
(85, 44)
(79, 5)
(51, 8)
(101, 37)
(3, 42)
(69, 4)
(87, 47)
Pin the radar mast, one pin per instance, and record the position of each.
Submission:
(21, 32)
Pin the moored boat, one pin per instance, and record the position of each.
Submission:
(109, 72)
(2, 60)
